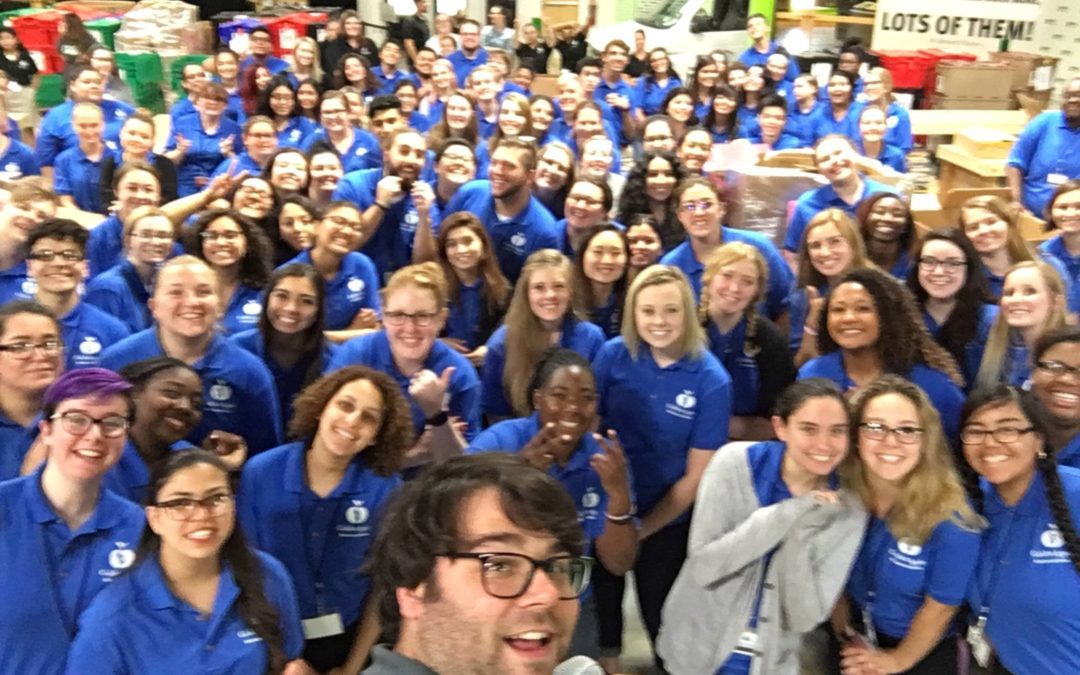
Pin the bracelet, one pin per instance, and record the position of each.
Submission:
(809, 331)
(438, 419)
(625, 518)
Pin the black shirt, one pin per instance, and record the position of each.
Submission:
(21, 70)
(572, 50)
(637, 67)
(334, 50)
(534, 58)
(416, 29)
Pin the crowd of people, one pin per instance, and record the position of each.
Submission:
(379, 334)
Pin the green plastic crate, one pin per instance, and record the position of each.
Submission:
(105, 31)
(50, 92)
(176, 70)
(139, 68)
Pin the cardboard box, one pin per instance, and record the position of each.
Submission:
(1030, 71)
(957, 103)
(985, 143)
(1030, 101)
(973, 80)
(761, 198)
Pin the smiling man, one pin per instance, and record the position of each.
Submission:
(478, 569)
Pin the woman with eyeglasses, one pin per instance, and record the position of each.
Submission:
(186, 305)
(558, 438)
(668, 400)
(654, 84)
(31, 358)
(1025, 597)
(259, 143)
(289, 337)
(437, 381)
(1055, 380)
(922, 543)
(872, 328)
(889, 232)
(352, 283)
(278, 102)
(166, 396)
(199, 143)
(1032, 302)
(771, 541)
(352, 429)
(63, 537)
(239, 254)
(1063, 215)
(358, 148)
(952, 294)
(196, 591)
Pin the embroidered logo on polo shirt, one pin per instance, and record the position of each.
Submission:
(221, 391)
(684, 405)
(905, 555)
(121, 557)
(410, 220)
(357, 516)
(590, 500)
(248, 636)
(12, 171)
(29, 287)
(1052, 538)
(686, 399)
(251, 308)
(519, 240)
(90, 346)
(908, 548)
(1052, 551)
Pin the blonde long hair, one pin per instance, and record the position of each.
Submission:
(526, 337)
(932, 492)
(692, 342)
(316, 65)
(1017, 248)
(997, 344)
(729, 254)
(808, 274)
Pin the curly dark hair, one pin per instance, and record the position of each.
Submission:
(634, 201)
(255, 265)
(1045, 462)
(909, 343)
(395, 436)
(962, 325)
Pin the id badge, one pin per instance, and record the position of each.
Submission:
(980, 648)
(323, 626)
(868, 627)
(748, 643)
(1056, 178)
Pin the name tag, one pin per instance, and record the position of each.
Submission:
(1056, 178)
(748, 643)
(323, 626)
(980, 648)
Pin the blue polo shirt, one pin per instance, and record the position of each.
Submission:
(244, 162)
(802, 125)
(353, 288)
(15, 440)
(889, 155)
(612, 114)
(583, 337)
(752, 57)
(1054, 249)
(942, 392)
(55, 134)
(140, 626)
(287, 381)
(18, 161)
(295, 131)
(973, 350)
(892, 578)
(848, 124)
(322, 541)
(243, 311)
(781, 279)
(373, 350)
(204, 155)
(660, 414)
(120, 292)
(182, 108)
(272, 63)
(578, 477)
(51, 573)
(811, 202)
(898, 125)
(238, 392)
(1047, 152)
(364, 153)
(649, 94)
(390, 247)
(463, 65)
(786, 141)
(87, 331)
(729, 350)
(130, 476)
(514, 238)
(1070, 454)
(79, 177)
(105, 245)
(387, 81)
(463, 319)
(1026, 584)
(16, 284)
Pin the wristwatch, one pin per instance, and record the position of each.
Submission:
(438, 419)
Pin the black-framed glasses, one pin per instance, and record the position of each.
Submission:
(78, 423)
(508, 575)
(225, 235)
(1001, 435)
(1058, 369)
(421, 319)
(184, 507)
(49, 255)
(876, 431)
(929, 264)
(22, 350)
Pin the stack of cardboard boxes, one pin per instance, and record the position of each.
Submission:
(1007, 81)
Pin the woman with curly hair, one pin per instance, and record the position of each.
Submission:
(950, 289)
(650, 190)
(888, 231)
(1026, 591)
(922, 543)
(239, 254)
(352, 429)
(751, 348)
(873, 327)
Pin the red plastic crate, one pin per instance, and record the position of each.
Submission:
(47, 60)
(39, 30)
(286, 30)
(909, 69)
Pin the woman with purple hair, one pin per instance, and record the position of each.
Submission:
(62, 536)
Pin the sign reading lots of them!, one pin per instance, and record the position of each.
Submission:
(975, 26)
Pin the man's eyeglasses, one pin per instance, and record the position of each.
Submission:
(22, 350)
(48, 255)
(508, 575)
(78, 424)
(184, 508)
